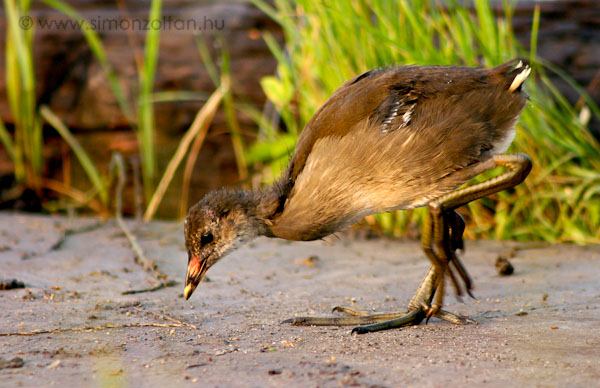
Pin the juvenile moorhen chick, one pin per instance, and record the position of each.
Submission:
(388, 139)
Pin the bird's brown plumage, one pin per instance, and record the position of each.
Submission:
(390, 139)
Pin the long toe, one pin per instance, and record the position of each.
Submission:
(411, 318)
(454, 318)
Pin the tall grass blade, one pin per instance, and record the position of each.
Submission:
(205, 114)
(228, 104)
(21, 94)
(7, 142)
(328, 42)
(97, 48)
(82, 156)
(145, 108)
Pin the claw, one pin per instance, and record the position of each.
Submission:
(471, 294)
(350, 311)
(359, 330)
(432, 312)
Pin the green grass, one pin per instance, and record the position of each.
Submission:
(25, 144)
(25, 147)
(328, 42)
(325, 44)
(82, 156)
(143, 121)
(145, 106)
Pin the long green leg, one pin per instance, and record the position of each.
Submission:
(442, 236)
(454, 241)
(436, 241)
(396, 319)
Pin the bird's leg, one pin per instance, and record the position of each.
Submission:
(519, 166)
(440, 246)
(442, 236)
(382, 321)
(417, 309)
(377, 321)
(419, 306)
(455, 227)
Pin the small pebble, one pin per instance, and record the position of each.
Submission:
(504, 267)
(10, 284)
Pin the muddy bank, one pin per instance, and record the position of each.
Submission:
(536, 327)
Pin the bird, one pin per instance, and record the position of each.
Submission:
(393, 138)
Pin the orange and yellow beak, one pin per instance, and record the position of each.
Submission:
(195, 272)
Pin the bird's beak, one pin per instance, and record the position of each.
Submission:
(195, 272)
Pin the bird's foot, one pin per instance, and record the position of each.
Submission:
(436, 311)
(413, 318)
(372, 322)
(432, 311)
(355, 318)
(369, 322)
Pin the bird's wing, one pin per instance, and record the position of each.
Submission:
(381, 95)
(405, 100)
(389, 96)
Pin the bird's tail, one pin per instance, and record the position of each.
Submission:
(514, 73)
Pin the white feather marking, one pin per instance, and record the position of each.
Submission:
(407, 116)
(520, 78)
(394, 114)
(391, 117)
(502, 146)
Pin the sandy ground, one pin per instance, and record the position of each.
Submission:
(539, 327)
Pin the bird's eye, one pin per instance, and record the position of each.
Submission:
(206, 238)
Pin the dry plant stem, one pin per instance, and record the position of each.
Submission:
(148, 265)
(236, 138)
(168, 318)
(78, 150)
(137, 188)
(162, 285)
(133, 42)
(191, 161)
(69, 231)
(66, 164)
(203, 115)
(590, 90)
(92, 328)
(76, 195)
(176, 323)
(117, 163)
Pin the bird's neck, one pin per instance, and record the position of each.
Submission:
(258, 207)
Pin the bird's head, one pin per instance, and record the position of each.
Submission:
(215, 226)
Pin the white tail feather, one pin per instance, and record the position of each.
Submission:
(520, 78)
